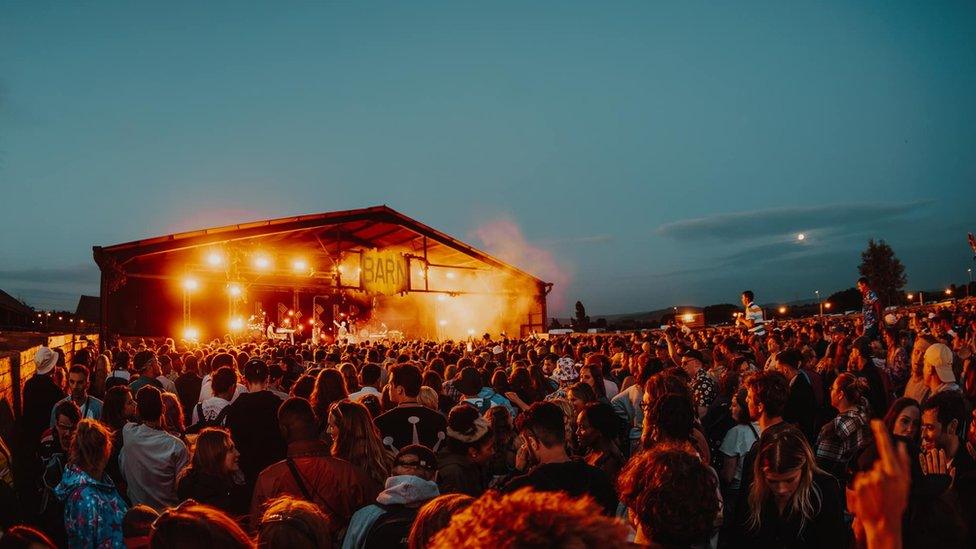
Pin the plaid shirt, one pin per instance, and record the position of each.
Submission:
(841, 438)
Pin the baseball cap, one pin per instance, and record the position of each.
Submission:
(255, 369)
(939, 357)
(416, 455)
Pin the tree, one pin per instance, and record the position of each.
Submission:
(581, 322)
(884, 271)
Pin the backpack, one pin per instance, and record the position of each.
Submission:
(392, 528)
(217, 421)
(480, 404)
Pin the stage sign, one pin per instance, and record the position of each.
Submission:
(384, 273)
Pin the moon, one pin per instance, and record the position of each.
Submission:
(801, 237)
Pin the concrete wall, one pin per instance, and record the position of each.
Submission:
(16, 367)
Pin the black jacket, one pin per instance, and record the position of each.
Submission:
(801, 407)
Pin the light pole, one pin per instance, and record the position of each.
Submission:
(969, 271)
(820, 303)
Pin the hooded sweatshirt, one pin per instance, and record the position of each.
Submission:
(93, 509)
(406, 490)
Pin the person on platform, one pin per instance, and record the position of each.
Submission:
(752, 319)
(870, 309)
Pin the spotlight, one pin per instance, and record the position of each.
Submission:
(81, 321)
(299, 265)
(237, 324)
(191, 334)
(827, 305)
(234, 290)
(782, 310)
(470, 331)
(450, 275)
(190, 284)
(262, 262)
(214, 259)
(911, 297)
(948, 291)
(689, 317)
(442, 322)
(291, 313)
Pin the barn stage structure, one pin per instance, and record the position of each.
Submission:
(366, 273)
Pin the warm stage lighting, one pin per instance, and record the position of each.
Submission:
(689, 317)
(441, 297)
(470, 331)
(262, 262)
(214, 259)
(450, 275)
(948, 291)
(191, 334)
(237, 324)
(234, 290)
(911, 296)
(827, 305)
(442, 322)
(299, 265)
(291, 313)
(190, 284)
(782, 310)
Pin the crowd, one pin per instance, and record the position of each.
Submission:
(820, 432)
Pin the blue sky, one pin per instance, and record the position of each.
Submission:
(658, 153)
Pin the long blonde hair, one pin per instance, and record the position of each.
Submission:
(358, 440)
(784, 452)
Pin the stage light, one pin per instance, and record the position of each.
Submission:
(234, 290)
(291, 313)
(450, 275)
(215, 259)
(442, 322)
(441, 297)
(190, 284)
(827, 305)
(299, 265)
(82, 321)
(911, 297)
(311, 323)
(38, 315)
(470, 331)
(60, 318)
(948, 291)
(262, 262)
(237, 324)
(689, 317)
(191, 334)
(782, 310)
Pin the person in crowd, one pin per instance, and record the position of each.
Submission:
(502, 426)
(704, 390)
(580, 395)
(166, 374)
(735, 445)
(220, 360)
(137, 526)
(542, 429)
(410, 422)
(791, 501)
(99, 373)
(357, 440)
(462, 462)
(870, 309)
(524, 387)
(917, 387)
(290, 523)
(671, 497)
(195, 526)
(844, 436)
(188, 386)
(41, 393)
(387, 522)
(752, 319)
(173, 417)
(53, 457)
(629, 403)
(213, 411)
(90, 406)
(591, 375)
(214, 475)
(310, 472)
(93, 509)
(531, 519)
(369, 381)
(330, 386)
(469, 384)
(896, 359)
(147, 365)
(938, 372)
(904, 419)
(801, 405)
(427, 397)
(670, 419)
(349, 373)
(151, 458)
(944, 448)
(25, 537)
(434, 517)
(598, 431)
(252, 420)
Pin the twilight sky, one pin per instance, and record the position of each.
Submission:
(640, 154)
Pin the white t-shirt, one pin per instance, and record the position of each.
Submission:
(206, 390)
(737, 442)
(211, 409)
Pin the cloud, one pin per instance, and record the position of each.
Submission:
(77, 274)
(781, 221)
